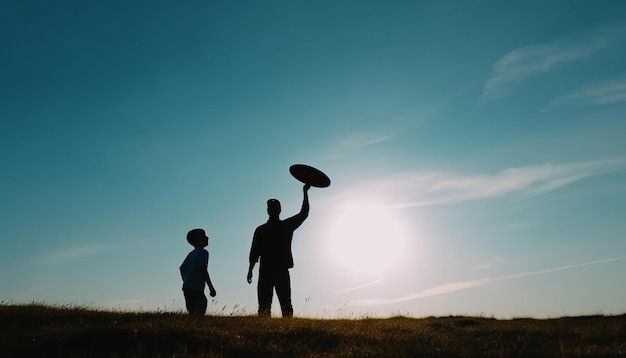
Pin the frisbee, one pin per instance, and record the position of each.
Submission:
(309, 175)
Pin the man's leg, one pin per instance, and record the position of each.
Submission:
(283, 291)
(265, 292)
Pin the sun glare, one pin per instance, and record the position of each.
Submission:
(366, 238)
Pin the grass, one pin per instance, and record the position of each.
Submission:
(38, 330)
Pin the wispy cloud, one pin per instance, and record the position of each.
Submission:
(458, 286)
(357, 141)
(515, 226)
(74, 253)
(521, 63)
(597, 94)
(349, 289)
(425, 188)
(490, 264)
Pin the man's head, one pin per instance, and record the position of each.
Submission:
(273, 207)
(197, 238)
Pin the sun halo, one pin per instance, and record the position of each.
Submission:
(366, 238)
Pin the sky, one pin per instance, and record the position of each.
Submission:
(476, 152)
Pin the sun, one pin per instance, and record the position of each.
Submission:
(366, 238)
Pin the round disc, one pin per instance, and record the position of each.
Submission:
(309, 175)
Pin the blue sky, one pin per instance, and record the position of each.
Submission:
(475, 149)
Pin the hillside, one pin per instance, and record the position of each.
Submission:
(36, 330)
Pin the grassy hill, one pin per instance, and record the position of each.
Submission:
(38, 330)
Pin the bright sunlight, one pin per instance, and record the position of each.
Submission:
(366, 238)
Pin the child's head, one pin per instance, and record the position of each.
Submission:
(197, 238)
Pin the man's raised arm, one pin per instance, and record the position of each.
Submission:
(305, 201)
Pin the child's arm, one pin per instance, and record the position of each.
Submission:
(207, 279)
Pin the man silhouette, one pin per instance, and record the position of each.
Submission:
(271, 244)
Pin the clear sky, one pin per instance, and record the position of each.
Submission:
(476, 151)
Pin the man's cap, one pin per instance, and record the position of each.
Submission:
(273, 206)
(271, 202)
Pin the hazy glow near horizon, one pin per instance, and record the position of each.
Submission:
(476, 151)
(366, 238)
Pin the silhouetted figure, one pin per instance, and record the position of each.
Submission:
(272, 244)
(195, 273)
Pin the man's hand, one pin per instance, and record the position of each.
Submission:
(306, 188)
(250, 276)
(212, 292)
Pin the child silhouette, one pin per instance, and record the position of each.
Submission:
(195, 273)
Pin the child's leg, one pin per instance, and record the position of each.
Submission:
(196, 302)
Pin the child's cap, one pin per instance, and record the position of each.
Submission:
(195, 236)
